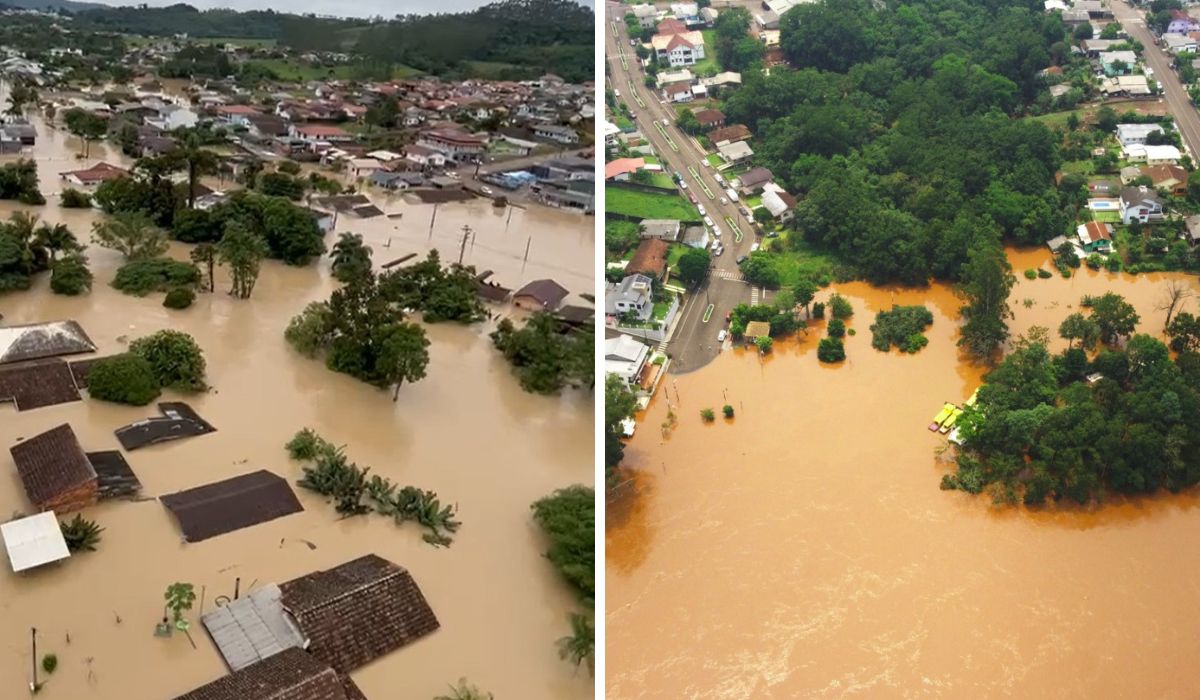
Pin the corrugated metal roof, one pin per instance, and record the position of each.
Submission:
(252, 628)
(34, 541)
(224, 506)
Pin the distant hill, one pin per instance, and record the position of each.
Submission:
(52, 5)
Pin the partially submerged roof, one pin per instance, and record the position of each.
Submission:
(252, 628)
(354, 613)
(37, 340)
(177, 421)
(34, 541)
(51, 464)
(293, 674)
(546, 292)
(224, 506)
(114, 475)
(37, 384)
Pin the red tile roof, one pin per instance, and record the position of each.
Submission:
(621, 166)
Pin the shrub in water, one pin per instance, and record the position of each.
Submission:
(1031, 274)
(837, 328)
(728, 411)
(74, 199)
(140, 277)
(179, 298)
(1045, 274)
(831, 350)
(707, 415)
(175, 358)
(126, 378)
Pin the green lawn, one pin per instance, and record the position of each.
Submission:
(714, 160)
(1108, 217)
(802, 262)
(1083, 167)
(652, 160)
(710, 54)
(648, 206)
(296, 71)
(1058, 119)
(662, 180)
(624, 123)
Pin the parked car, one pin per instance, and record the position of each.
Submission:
(485, 190)
(721, 334)
(724, 201)
(728, 317)
(666, 122)
(717, 250)
(700, 208)
(754, 247)
(692, 198)
(682, 185)
(716, 230)
(708, 222)
(742, 258)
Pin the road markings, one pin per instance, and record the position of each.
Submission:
(731, 276)
(662, 130)
(633, 91)
(708, 313)
(754, 296)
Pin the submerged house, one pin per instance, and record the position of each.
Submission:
(56, 472)
(38, 340)
(292, 674)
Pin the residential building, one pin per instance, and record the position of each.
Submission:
(679, 49)
(650, 258)
(540, 295)
(781, 204)
(625, 357)
(1128, 134)
(236, 114)
(1118, 62)
(683, 75)
(710, 119)
(1179, 43)
(1140, 204)
(1191, 232)
(1094, 8)
(18, 133)
(647, 15)
(98, 173)
(708, 15)
(610, 133)
(1153, 155)
(312, 134)
(556, 133)
(1095, 236)
(456, 144)
(736, 152)
(671, 25)
(661, 229)
(1132, 85)
(754, 179)
(55, 471)
(1171, 178)
(631, 295)
(170, 117)
(730, 134)
(678, 92)
(621, 168)
(424, 157)
(1181, 23)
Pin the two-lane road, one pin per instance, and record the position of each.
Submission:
(694, 342)
(1187, 119)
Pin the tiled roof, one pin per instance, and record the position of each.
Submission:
(354, 613)
(51, 464)
(292, 674)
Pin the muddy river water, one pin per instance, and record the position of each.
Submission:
(467, 431)
(804, 548)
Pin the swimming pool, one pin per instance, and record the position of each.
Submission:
(1104, 205)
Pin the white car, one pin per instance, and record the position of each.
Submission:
(708, 222)
(666, 122)
(485, 190)
(716, 230)
(717, 250)
(724, 201)
(754, 247)
(700, 208)
(682, 185)
(721, 334)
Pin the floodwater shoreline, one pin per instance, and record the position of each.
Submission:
(805, 548)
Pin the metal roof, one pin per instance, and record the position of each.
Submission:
(34, 541)
(252, 628)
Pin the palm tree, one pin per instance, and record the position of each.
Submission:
(465, 691)
(57, 238)
(23, 226)
(198, 162)
(580, 645)
(351, 257)
(81, 534)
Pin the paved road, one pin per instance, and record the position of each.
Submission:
(1187, 119)
(694, 343)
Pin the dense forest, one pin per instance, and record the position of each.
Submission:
(897, 130)
(515, 38)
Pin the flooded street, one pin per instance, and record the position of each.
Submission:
(467, 431)
(804, 548)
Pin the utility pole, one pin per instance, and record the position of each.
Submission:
(432, 218)
(33, 686)
(527, 244)
(462, 247)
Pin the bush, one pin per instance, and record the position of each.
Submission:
(80, 534)
(1045, 274)
(818, 310)
(728, 411)
(840, 308)
(71, 276)
(831, 350)
(179, 298)
(764, 343)
(74, 199)
(175, 359)
(1031, 274)
(707, 415)
(125, 378)
(140, 277)
(49, 663)
(902, 326)
(1113, 263)
(837, 328)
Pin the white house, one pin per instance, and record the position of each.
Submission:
(1162, 155)
(556, 133)
(172, 117)
(424, 156)
(781, 204)
(682, 49)
(630, 295)
(1140, 204)
(610, 133)
(1136, 133)
(647, 15)
(625, 357)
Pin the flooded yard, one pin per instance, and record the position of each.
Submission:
(467, 431)
(803, 549)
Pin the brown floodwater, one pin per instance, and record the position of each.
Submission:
(467, 431)
(804, 549)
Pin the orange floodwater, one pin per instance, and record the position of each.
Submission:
(467, 431)
(804, 549)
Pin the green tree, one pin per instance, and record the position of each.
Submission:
(81, 535)
(71, 276)
(688, 123)
(124, 378)
(840, 307)
(242, 251)
(85, 125)
(131, 234)
(404, 355)
(619, 405)
(205, 254)
(1184, 332)
(351, 257)
(831, 350)
(760, 269)
(544, 359)
(1107, 120)
(1079, 327)
(311, 331)
(1115, 317)
(56, 239)
(465, 691)
(579, 647)
(693, 266)
(175, 359)
(987, 281)
(179, 597)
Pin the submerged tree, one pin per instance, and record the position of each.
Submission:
(351, 257)
(131, 234)
(205, 254)
(80, 534)
(179, 597)
(987, 281)
(242, 251)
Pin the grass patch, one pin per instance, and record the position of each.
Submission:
(297, 71)
(663, 180)
(491, 70)
(714, 160)
(1058, 119)
(804, 261)
(1082, 167)
(651, 160)
(1108, 217)
(648, 206)
(710, 54)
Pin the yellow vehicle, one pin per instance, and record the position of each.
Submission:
(951, 420)
(947, 409)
